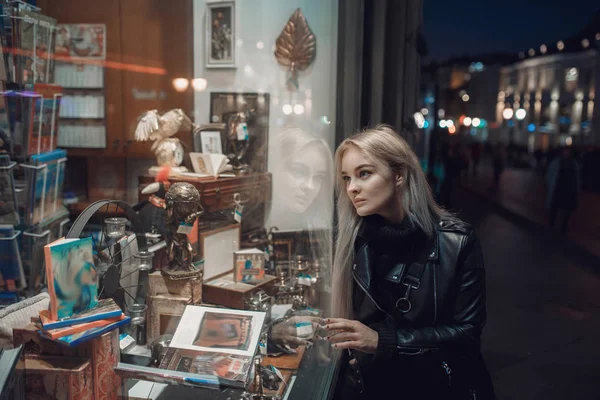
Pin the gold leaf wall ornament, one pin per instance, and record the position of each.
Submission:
(296, 46)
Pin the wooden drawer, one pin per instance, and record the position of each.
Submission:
(217, 195)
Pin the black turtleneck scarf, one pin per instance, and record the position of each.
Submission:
(390, 245)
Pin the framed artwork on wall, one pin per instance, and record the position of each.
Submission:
(224, 105)
(220, 34)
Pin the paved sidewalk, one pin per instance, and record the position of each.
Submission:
(522, 193)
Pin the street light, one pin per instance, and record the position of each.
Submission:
(419, 119)
(560, 45)
(508, 113)
(476, 122)
(467, 121)
(520, 114)
(442, 123)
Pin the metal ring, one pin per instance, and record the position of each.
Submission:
(403, 305)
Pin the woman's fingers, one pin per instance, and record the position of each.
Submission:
(342, 337)
(334, 324)
(348, 345)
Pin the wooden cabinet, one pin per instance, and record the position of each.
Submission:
(217, 195)
(148, 43)
(94, 12)
(157, 36)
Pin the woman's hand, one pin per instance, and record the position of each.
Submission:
(297, 331)
(347, 334)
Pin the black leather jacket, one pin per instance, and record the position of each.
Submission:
(433, 349)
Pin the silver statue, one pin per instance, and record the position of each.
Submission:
(182, 203)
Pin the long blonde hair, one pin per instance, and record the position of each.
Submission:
(384, 144)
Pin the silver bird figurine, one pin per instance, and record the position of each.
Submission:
(157, 127)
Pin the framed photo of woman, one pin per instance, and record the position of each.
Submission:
(220, 34)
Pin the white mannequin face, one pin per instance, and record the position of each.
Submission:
(371, 185)
(301, 178)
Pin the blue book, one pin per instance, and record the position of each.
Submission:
(72, 277)
(78, 338)
(105, 309)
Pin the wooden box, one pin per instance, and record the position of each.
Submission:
(106, 354)
(65, 378)
(159, 284)
(164, 312)
(217, 195)
(222, 290)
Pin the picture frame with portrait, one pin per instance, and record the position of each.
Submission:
(220, 34)
(211, 142)
(225, 104)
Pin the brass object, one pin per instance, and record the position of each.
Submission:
(260, 301)
(182, 208)
(258, 391)
(296, 46)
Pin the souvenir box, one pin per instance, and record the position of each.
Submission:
(64, 378)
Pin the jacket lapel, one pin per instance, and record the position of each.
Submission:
(363, 260)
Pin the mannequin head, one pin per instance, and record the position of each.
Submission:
(302, 171)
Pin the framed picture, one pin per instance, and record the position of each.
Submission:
(215, 130)
(220, 34)
(217, 247)
(225, 104)
(211, 142)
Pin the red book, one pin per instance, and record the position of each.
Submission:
(70, 330)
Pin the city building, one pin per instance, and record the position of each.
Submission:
(549, 100)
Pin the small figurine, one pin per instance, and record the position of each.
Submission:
(182, 203)
(160, 128)
(238, 140)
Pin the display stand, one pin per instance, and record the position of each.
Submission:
(32, 248)
(82, 119)
(13, 239)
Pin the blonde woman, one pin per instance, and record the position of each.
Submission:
(408, 284)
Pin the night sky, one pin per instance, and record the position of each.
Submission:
(453, 28)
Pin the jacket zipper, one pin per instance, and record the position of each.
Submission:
(399, 348)
(448, 372)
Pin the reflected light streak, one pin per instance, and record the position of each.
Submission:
(101, 63)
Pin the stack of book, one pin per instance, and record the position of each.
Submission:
(83, 326)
